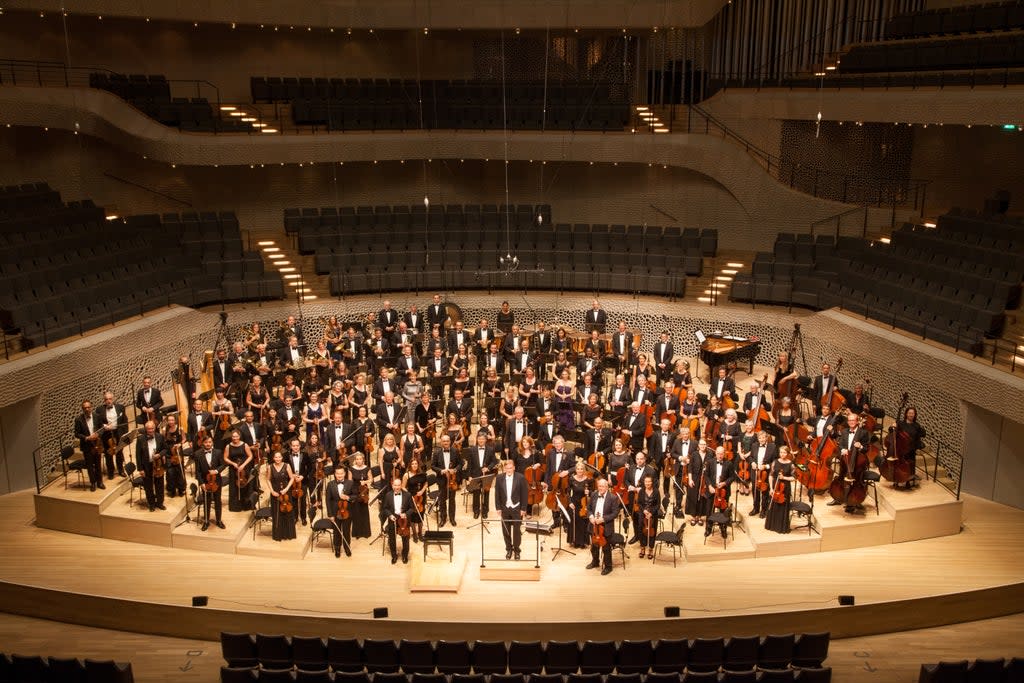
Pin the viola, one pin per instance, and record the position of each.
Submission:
(668, 466)
(212, 485)
(649, 526)
(417, 500)
(402, 526)
(583, 502)
(243, 478)
(721, 501)
(453, 480)
(110, 443)
(364, 492)
(730, 449)
(342, 511)
(225, 422)
(158, 466)
(620, 488)
(762, 480)
(597, 537)
(284, 503)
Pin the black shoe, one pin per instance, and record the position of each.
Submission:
(836, 502)
(405, 559)
(476, 515)
(440, 525)
(206, 525)
(110, 476)
(220, 524)
(707, 532)
(606, 571)
(303, 522)
(508, 555)
(337, 553)
(101, 485)
(453, 523)
(162, 507)
(92, 487)
(394, 559)
(593, 565)
(348, 553)
(151, 508)
(753, 511)
(634, 540)
(516, 554)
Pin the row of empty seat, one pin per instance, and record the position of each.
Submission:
(980, 18)
(475, 217)
(974, 671)
(65, 269)
(261, 675)
(151, 94)
(665, 656)
(953, 53)
(35, 669)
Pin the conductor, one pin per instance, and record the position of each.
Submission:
(510, 497)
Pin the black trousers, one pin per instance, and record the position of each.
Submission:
(110, 463)
(175, 480)
(481, 502)
(92, 466)
(154, 488)
(761, 498)
(391, 542)
(602, 555)
(512, 529)
(445, 501)
(212, 499)
(342, 528)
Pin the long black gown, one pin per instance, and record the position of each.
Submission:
(580, 528)
(283, 522)
(359, 512)
(777, 519)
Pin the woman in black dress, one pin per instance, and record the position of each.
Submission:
(315, 382)
(493, 388)
(336, 399)
(390, 458)
(579, 488)
(238, 456)
(288, 390)
(367, 439)
(415, 482)
(777, 519)
(257, 398)
(681, 376)
(617, 459)
(359, 395)
(649, 500)
(426, 422)
(697, 501)
(460, 362)
(561, 365)
(529, 389)
(281, 482)
(453, 428)
(359, 508)
(505, 318)
(591, 411)
(509, 403)
(412, 445)
(915, 431)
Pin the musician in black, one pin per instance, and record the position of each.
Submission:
(396, 505)
(209, 463)
(602, 508)
(446, 464)
(723, 385)
(341, 489)
(823, 386)
(87, 428)
(720, 475)
(853, 444)
(480, 461)
(174, 440)
(510, 499)
(237, 455)
(912, 428)
(437, 313)
(596, 318)
(662, 355)
(635, 475)
(151, 461)
(761, 457)
(303, 469)
(148, 402)
(115, 425)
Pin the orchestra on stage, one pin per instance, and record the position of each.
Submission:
(393, 416)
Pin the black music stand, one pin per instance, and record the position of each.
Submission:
(568, 520)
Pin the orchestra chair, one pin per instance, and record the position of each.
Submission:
(670, 656)
(416, 656)
(871, 479)
(717, 518)
(136, 483)
(804, 510)
(69, 465)
(344, 655)
(108, 671)
(508, 678)
(351, 677)
(310, 676)
(273, 651)
(814, 674)
(633, 657)
(979, 671)
(198, 496)
(260, 514)
(468, 678)
(584, 678)
(238, 649)
(545, 678)
(71, 670)
(597, 657)
(673, 539)
(452, 657)
(695, 676)
(309, 653)
(622, 678)
(525, 657)
(667, 677)
(242, 674)
(811, 649)
(317, 528)
(381, 656)
(944, 672)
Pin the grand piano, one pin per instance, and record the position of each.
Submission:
(719, 350)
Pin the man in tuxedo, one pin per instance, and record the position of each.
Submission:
(252, 432)
(387, 415)
(824, 383)
(437, 314)
(340, 489)
(115, 424)
(461, 405)
(402, 336)
(395, 505)
(387, 319)
(291, 354)
(437, 366)
(524, 358)
(542, 338)
(482, 338)
(720, 474)
(723, 385)
(480, 461)
(596, 318)
(208, 460)
(445, 461)
(635, 475)
(383, 385)
(148, 447)
(547, 432)
(407, 361)
(659, 447)
(414, 320)
(352, 347)
(852, 441)
(291, 418)
(586, 388)
(304, 469)
(588, 364)
(458, 336)
(510, 496)
(560, 462)
(642, 393)
(756, 396)
(513, 340)
(598, 439)
(761, 457)
(667, 402)
(516, 428)
(148, 401)
(337, 434)
(602, 508)
(87, 428)
(636, 423)
(622, 345)
(596, 345)
(663, 353)
(825, 423)
(223, 372)
(198, 420)
(493, 359)
(291, 328)
(618, 398)
(377, 350)
(681, 448)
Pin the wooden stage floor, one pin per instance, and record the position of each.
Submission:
(284, 587)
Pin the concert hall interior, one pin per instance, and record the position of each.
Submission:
(333, 329)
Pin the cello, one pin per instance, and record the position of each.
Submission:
(848, 485)
(894, 466)
(534, 482)
(813, 463)
(558, 492)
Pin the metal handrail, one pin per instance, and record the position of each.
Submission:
(38, 467)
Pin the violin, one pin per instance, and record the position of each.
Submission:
(243, 478)
(743, 470)
(364, 492)
(284, 503)
(453, 480)
(597, 537)
(779, 493)
(417, 500)
(176, 454)
(342, 511)
(668, 466)
(225, 422)
(212, 485)
(583, 502)
(110, 443)
(158, 466)
(597, 461)
(297, 492)
(762, 480)
(649, 526)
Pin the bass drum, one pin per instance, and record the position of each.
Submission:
(454, 314)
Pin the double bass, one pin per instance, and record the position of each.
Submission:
(811, 468)
(848, 484)
(534, 482)
(894, 466)
(834, 399)
(558, 492)
(787, 387)
(757, 414)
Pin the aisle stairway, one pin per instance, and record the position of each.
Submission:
(279, 253)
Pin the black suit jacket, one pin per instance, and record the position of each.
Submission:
(122, 418)
(82, 432)
(143, 458)
(627, 338)
(510, 432)
(387, 318)
(663, 354)
(471, 459)
(655, 453)
(404, 364)
(770, 454)
(453, 343)
(596, 319)
(542, 342)
(380, 410)
(378, 389)
(546, 433)
(610, 510)
(331, 442)
(647, 471)
(822, 387)
(728, 472)
(465, 409)
(388, 508)
(604, 441)
(348, 487)
(728, 386)
(416, 326)
(202, 468)
(860, 436)
(437, 460)
(243, 429)
(566, 465)
(518, 494)
(637, 426)
(156, 402)
(437, 314)
(225, 377)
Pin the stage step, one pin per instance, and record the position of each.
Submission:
(510, 571)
